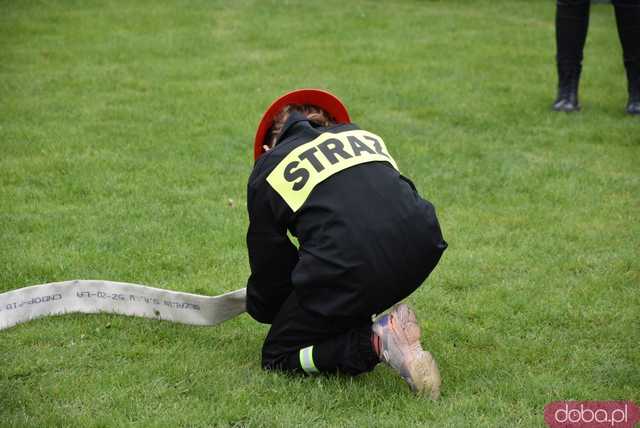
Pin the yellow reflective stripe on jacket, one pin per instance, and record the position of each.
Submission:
(306, 360)
(311, 163)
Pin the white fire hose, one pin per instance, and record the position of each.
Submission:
(98, 296)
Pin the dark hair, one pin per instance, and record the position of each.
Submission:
(315, 114)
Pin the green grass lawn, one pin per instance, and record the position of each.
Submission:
(126, 141)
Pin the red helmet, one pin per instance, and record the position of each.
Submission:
(317, 97)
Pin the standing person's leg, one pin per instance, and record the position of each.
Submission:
(572, 23)
(628, 20)
(301, 341)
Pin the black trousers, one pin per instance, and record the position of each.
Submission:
(304, 342)
(572, 22)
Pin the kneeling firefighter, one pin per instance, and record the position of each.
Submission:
(366, 241)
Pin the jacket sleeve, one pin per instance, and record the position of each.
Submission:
(272, 258)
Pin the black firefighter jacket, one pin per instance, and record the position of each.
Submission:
(366, 238)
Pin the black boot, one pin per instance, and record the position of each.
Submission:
(567, 99)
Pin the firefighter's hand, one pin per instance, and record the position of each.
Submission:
(266, 148)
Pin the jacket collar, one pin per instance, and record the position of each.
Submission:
(293, 119)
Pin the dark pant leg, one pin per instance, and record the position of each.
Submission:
(572, 23)
(300, 341)
(628, 21)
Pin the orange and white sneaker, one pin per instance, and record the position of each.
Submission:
(398, 336)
